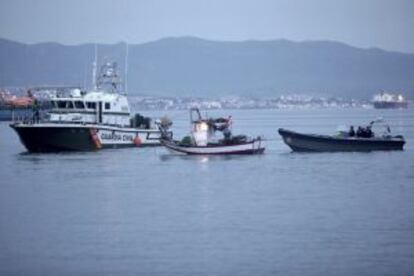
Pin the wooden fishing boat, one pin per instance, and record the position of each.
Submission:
(202, 139)
(253, 146)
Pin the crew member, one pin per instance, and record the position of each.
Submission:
(35, 110)
(351, 131)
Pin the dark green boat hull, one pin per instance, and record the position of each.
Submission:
(37, 138)
(49, 139)
(323, 143)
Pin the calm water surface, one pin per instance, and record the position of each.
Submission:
(150, 212)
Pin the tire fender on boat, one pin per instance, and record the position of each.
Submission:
(95, 138)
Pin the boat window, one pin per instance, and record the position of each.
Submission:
(69, 105)
(61, 104)
(79, 105)
(91, 105)
(54, 104)
(107, 105)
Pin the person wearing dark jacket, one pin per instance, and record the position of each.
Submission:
(360, 132)
(369, 133)
(35, 110)
(351, 131)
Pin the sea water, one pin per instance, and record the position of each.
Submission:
(146, 211)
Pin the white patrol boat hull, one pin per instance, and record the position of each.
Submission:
(52, 137)
(251, 147)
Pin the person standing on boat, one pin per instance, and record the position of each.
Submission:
(360, 132)
(35, 111)
(227, 134)
(369, 133)
(227, 128)
(351, 131)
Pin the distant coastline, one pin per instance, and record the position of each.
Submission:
(194, 67)
(282, 102)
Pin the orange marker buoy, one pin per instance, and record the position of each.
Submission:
(95, 138)
(137, 141)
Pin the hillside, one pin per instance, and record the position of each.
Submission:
(189, 66)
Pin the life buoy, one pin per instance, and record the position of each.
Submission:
(95, 138)
(137, 141)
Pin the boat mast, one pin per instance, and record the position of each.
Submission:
(126, 67)
(94, 68)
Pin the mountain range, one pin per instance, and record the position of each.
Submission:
(189, 66)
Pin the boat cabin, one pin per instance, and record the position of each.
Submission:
(102, 105)
(95, 107)
(204, 129)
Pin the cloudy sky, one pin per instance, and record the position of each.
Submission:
(386, 24)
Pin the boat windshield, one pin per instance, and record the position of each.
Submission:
(91, 105)
(61, 104)
(79, 105)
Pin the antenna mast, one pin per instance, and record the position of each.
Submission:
(126, 68)
(94, 68)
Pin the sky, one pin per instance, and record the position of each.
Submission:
(386, 24)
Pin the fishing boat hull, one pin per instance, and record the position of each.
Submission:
(251, 147)
(323, 143)
(49, 137)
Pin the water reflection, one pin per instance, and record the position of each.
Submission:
(204, 158)
(146, 211)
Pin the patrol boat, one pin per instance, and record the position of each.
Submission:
(363, 140)
(88, 120)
